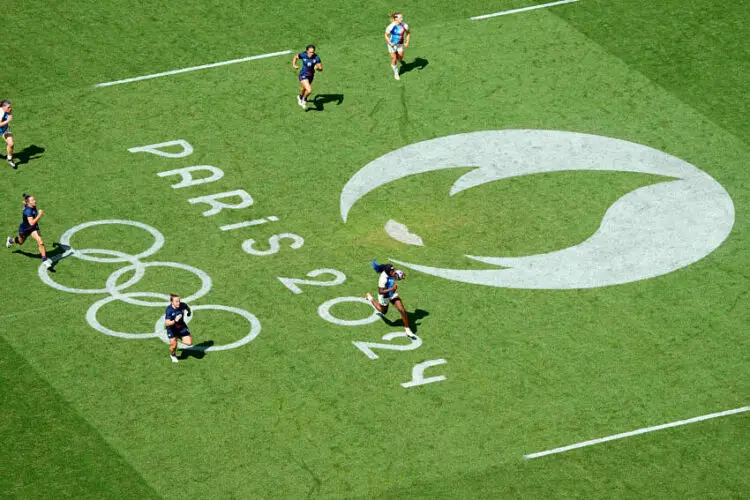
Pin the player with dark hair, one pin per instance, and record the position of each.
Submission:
(397, 36)
(310, 64)
(387, 293)
(176, 326)
(5, 110)
(30, 226)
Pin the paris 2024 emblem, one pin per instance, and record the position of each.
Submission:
(648, 232)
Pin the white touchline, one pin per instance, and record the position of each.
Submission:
(643, 430)
(523, 9)
(194, 68)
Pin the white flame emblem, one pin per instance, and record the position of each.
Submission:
(648, 232)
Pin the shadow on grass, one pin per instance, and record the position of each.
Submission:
(56, 254)
(418, 64)
(320, 100)
(28, 153)
(197, 351)
(414, 317)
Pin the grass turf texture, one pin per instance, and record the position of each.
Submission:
(300, 411)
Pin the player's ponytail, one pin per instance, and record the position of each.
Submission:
(379, 268)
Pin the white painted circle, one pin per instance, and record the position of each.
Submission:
(139, 272)
(206, 282)
(324, 311)
(254, 328)
(158, 238)
(94, 322)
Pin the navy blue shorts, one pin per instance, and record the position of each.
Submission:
(182, 333)
(309, 78)
(25, 233)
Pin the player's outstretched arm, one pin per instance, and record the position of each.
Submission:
(294, 61)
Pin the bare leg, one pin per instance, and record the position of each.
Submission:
(394, 65)
(306, 89)
(404, 317)
(40, 242)
(9, 143)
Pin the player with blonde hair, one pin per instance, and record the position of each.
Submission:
(397, 36)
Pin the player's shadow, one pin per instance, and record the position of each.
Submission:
(56, 254)
(320, 101)
(414, 318)
(418, 64)
(198, 351)
(28, 153)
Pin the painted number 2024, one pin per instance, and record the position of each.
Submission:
(367, 348)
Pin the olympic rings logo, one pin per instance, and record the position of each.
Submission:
(138, 267)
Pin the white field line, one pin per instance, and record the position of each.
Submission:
(643, 430)
(193, 68)
(523, 9)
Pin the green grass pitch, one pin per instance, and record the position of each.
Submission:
(300, 411)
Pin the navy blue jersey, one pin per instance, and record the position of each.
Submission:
(28, 212)
(5, 128)
(172, 313)
(308, 65)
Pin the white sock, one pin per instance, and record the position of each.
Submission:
(394, 68)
